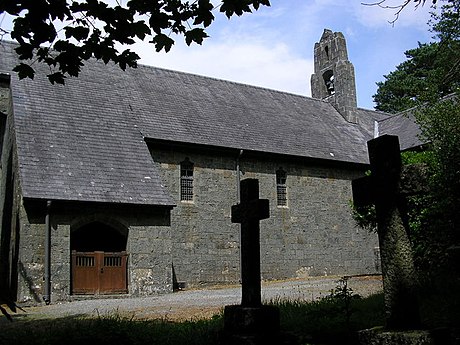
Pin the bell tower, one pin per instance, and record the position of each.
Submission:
(334, 76)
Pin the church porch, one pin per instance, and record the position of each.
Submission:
(126, 250)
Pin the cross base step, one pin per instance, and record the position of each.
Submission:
(250, 325)
(380, 336)
(244, 339)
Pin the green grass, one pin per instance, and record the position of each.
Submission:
(440, 301)
(111, 329)
(326, 321)
(320, 322)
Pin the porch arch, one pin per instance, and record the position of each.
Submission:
(99, 257)
(98, 236)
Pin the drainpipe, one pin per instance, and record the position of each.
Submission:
(47, 292)
(238, 180)
(238, 177)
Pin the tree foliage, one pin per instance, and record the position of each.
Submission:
(63, 34)
(430, 80)
(440, 124)
(434, 217)
(406, 87)
(431, 70)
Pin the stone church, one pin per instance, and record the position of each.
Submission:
(123, 182)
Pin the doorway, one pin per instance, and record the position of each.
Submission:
(99, 259)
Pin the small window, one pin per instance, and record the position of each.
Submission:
(186, 180)
(281, 190)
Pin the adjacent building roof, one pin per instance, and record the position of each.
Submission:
(86, 140)
(404, 126)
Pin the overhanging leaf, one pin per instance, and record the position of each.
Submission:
(196, 35)
(24, 71)
(56, 78)
(162, 41)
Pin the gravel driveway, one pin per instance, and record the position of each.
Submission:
(199, 303)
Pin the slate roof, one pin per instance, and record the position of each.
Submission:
(86, 140)
(80, 141)
(368, 118)
(404, 126)
(187, 108)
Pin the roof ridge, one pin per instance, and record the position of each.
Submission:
(228, 81)
(241, 84)
(375, 111)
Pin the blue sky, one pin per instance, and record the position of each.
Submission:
(273, 47)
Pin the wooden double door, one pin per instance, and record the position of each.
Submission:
(99, 272)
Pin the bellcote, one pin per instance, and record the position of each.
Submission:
(334, 75)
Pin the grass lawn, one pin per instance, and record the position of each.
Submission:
(332, 320)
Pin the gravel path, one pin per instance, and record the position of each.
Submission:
(199, 303)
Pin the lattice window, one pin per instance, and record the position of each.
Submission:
(281, 189)
(112, 261)
(186, 180)
(85, 261)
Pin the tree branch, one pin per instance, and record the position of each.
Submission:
(94, 28)
(398, 8)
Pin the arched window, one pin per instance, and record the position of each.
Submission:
(186, 180)
(281, 189)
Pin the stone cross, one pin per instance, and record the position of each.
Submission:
(383, 188)
(248, 213)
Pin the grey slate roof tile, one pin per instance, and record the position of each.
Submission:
(193, 109)
(85, 140)
(404, 126)
(76, 142)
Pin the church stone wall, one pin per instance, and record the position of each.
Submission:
(314, 235)
(9, 194)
